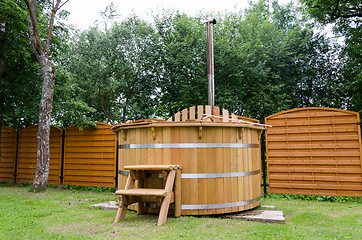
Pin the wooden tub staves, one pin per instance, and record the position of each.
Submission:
(220, 159)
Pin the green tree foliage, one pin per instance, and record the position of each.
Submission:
(19, 81)
(111, 70)
(269, 60)
(345, 17)
(181, 62)
(330, 10)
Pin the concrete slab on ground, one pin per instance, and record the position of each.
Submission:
(267, 207)
(111, 205)
(269, 216)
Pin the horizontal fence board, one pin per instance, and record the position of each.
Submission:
(313, 122)
(314, 154)
(311, 114)
(318, 148)
(284, 146)
(318, 192)
(313, 162)
(314, 169)
(337, 178)
(317, 186)
(315, 138)
(346, 128)
(90, 167)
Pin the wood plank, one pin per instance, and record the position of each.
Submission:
(193, 161)
(152, 167)
(211, 168)
(302, 145)
(328, 137)
(217, 113)
(311, 114)
(346, 128)
(331, 162)
(312, 154)
(177, 117)
(184, 158)
(234, 117)
(241, 164)
(202, 168)
(317, 186)
(225, 115)
(337, 178)
(166, 201)
(178, 193)
(326, 121)
(316, 192)
(314, 170)
(200, 111)
(184, 115)
(219, 193)
(142, 192)
(192, 113)
(227, 168)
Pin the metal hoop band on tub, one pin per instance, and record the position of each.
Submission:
(219, 205)
(219, 175)
(189, 145)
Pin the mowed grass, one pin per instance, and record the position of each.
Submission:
(65, 214)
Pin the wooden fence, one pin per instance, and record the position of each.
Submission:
(90, 156)
(26, 162)
(83, 158)
(8, 154)
(314, 151)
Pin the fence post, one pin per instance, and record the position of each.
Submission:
(263, 163)
(116, 177)
(16, 155)
(62, 158)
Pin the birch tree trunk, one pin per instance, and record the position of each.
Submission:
(46, 103)
(45, 110)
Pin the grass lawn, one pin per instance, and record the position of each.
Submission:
(65, 214)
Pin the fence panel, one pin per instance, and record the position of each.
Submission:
(8, 154)
(90, 156)
(27, 155)
(314, 151)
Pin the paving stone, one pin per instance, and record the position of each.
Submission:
(111, 205)
(269, 216)
(268, 207)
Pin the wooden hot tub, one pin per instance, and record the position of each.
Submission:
(220, 161)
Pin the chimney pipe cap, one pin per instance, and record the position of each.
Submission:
(213, 21)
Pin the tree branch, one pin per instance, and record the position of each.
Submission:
(337, 14)
(32, 9)
(335, 9)
(51, 22)
(347, 15)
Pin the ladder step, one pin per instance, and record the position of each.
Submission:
(143, 192)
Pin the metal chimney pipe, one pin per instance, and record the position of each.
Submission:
(210, 63)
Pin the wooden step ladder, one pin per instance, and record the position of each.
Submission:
(163, 197)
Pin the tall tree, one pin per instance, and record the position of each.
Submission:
(41, 50)
(346, 18)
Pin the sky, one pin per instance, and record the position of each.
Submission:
(83, 13)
